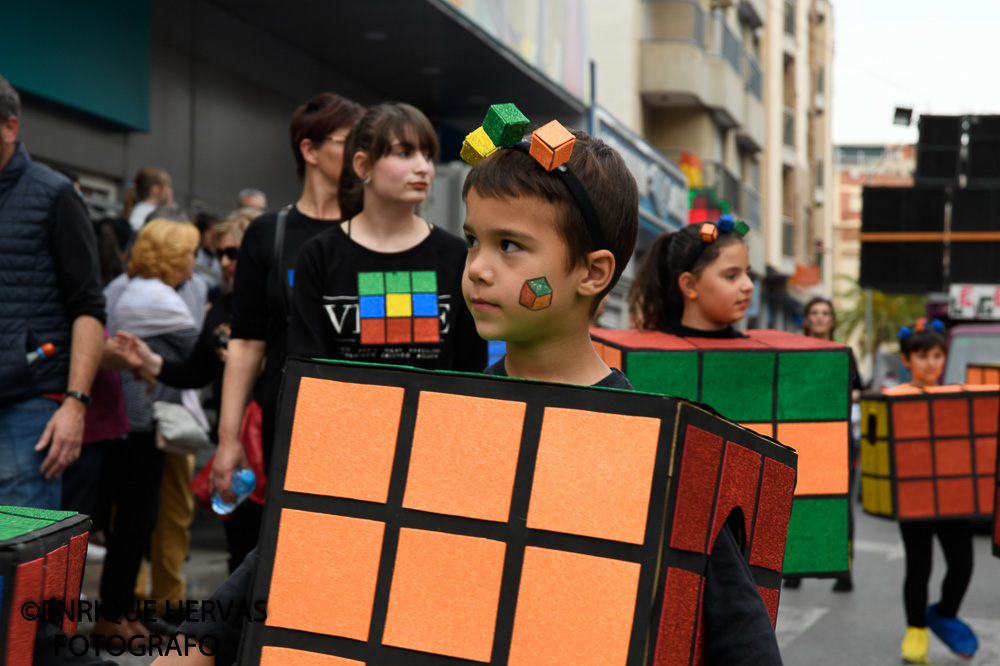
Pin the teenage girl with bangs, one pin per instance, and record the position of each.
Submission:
(344, 306)
(387, 172)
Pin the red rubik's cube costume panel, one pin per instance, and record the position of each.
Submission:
(42, 554)
(790, 387)
(425, 517)
(989, 373)
(930, 453)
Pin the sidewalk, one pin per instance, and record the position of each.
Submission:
(206, 569)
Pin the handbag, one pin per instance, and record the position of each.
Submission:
(251, 437)
(177, 429)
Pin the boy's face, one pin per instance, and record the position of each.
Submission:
(925, 365)
(516, 284)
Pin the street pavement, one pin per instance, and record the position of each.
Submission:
(816, 627)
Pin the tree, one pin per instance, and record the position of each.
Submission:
(890, 312)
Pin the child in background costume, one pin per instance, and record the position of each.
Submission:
(923, 351)
(538, 266)
(694, 282)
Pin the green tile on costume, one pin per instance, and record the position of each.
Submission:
(673, 374)
(397, 283)
(817, 537)
(424, 282)
(371, 284)
(725, 376)
(812, 386)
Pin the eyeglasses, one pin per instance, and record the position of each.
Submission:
(334, 139)
(230, 252)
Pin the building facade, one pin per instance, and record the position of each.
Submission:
(855, 168)
(798, 158)
(737, 93)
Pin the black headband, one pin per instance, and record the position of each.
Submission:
(580, 196)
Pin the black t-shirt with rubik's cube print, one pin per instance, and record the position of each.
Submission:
(405, 308)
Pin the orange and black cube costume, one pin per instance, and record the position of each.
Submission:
(428, 517)
(989, 374)
(930, 453)
(42, 555)
(790, 387)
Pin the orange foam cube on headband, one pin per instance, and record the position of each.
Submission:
(709, 232)
(551, 145)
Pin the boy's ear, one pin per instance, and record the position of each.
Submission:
(600, 266)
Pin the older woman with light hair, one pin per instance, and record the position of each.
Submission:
(163, 257)
(205, 366)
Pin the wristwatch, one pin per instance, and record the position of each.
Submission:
(79, 395)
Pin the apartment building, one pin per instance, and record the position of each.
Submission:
(855, 168)
(798, 157)
(737, 93)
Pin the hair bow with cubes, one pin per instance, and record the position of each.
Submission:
(551, 145)
(921, 326)
(709, 231)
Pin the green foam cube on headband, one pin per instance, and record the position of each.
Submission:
(505, 124)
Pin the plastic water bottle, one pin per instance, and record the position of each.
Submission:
(41, 353)
(242, 484)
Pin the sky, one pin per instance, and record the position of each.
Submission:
(934, 56)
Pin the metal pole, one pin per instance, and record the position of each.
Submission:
(869, 333)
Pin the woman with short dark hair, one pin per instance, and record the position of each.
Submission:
(261, 291)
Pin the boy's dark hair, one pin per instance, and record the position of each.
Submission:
(919, 341)
(317, 119)
(602, 171)
(374, 134)
(655, 298)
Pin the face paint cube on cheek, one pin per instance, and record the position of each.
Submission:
(536, 294)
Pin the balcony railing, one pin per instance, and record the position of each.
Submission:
(732, 47)
(750, 207)
(674, 21)
(753, 77)
(788, 236)
(725, 183)
(789, 127)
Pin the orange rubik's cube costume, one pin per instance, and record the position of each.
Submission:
(423, 517)
(930, 453)
(989, 374)
(790, 387)
(42, 554)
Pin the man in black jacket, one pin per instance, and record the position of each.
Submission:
(50, 292)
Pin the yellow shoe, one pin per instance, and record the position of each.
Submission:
(915, 645)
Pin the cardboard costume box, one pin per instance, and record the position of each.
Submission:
(787, 386)
(930, 453)
(982, 373)
(989, 373)
(421, 518)
(42, 554)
